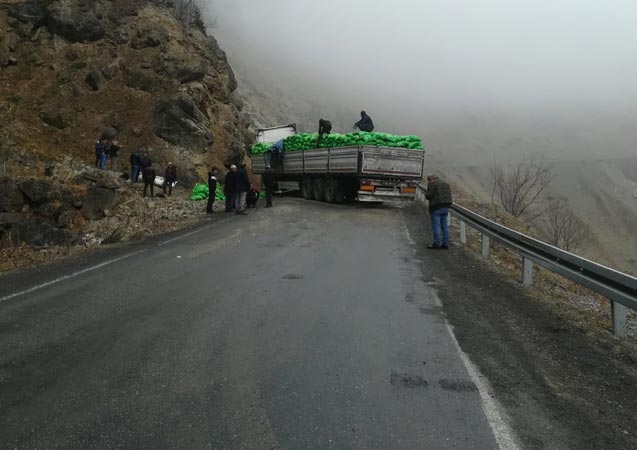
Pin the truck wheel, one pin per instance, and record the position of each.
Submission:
(331, 185)
(306, 188)
(319, 189)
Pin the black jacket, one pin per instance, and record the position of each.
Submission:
(135, 159)
(171, 174)
(365, 124)
(269, 179)
(230, 181)
(325, 126)
(145, 161)
(212, 183)
(242, 182)
(148, 174)
(438, 194)
(112, 150)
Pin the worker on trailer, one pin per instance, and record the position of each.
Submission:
(365, 124)
(276, 153)
(325, 127)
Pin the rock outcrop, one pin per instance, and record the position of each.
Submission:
(74, 71)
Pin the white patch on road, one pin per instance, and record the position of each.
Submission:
(73, 275)
(185, 235)
(504, 435)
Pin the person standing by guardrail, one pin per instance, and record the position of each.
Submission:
(440, 200)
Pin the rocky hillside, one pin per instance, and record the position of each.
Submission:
(72, 71)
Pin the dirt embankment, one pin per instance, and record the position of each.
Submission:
(72, 72)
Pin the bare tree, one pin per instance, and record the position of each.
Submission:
(562, 228)
(519, 185)
(191, 12)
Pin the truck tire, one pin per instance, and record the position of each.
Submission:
(331, 185)
(306, 188)
(318, 189)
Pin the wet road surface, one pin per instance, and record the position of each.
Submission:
(306, 326)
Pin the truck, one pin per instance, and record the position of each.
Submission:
(334, 175)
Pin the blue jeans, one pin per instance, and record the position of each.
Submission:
(134, 174)
(440, 220)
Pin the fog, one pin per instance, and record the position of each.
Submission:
(543, 75)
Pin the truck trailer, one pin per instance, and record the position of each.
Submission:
(362, 173)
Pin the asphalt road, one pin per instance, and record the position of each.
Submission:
(306, 326)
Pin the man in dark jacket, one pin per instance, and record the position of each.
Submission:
(325, 127)
(170, 176)
(440, 199)
(242, 186)
(113, 150)
(212, 189)
(229, 188)
(269, 181)
(135, 166)
(365, 124)
(149, 175)
(145, 161)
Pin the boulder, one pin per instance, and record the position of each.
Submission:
(32, 11)
(37, 191)
(148, 38)
(178, 120)
(94, 80)
(67, 219)
(75, 22)
(9, 218)
(40, 233)
(57, 119)
(12, 42)
(97, 200)
(192, 70)
(110, 71)
(140, 79)
(11, 198)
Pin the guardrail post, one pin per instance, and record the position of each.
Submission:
(485, 246)
(463, 232)
(618, 314)
(527, 271)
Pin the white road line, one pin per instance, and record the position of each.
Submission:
(504, 435)
(73, 275)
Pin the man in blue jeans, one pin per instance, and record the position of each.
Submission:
(440, 199)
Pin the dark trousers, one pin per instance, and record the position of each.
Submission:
(168, 184)
(150, 183)
(230, 202)
(98, 160)
(268, 197)
(210, 205)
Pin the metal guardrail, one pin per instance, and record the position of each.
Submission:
(618, 287)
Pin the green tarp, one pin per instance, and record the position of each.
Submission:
(201, 192)
(305, 141)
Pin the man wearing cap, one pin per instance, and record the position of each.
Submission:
(440, 200)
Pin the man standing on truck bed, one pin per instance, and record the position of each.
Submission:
(325, 127)
(440, 199)
(365, 124)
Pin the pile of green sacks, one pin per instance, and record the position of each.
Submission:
(305, 141)
(202, 191)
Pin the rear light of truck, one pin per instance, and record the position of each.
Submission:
(367, 188)
(408, 190)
